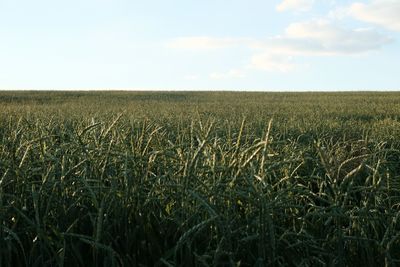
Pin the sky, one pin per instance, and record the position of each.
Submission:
(277, 45)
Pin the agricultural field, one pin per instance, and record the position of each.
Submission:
(199, 179)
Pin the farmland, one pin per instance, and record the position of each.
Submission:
(199, 179)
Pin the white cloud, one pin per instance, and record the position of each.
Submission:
(298, 5)
(279, 53)
(322, 37)
(316, 37)
(272, 62)
(234, 73)
(313, 38)
(204, 43)
(385, 13)
(338, 13)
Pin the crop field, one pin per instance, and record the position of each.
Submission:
(199, 179)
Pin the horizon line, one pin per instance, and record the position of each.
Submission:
(192, 90)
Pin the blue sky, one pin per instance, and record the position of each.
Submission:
(200, 45)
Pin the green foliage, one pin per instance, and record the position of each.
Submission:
(203, 179)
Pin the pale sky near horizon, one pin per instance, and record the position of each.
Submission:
(200, 45)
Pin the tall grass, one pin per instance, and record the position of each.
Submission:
(204, 179)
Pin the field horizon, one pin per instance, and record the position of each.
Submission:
(146, 90)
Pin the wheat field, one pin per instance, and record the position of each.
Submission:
(199, 179)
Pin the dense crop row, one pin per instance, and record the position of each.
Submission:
(200, 179)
